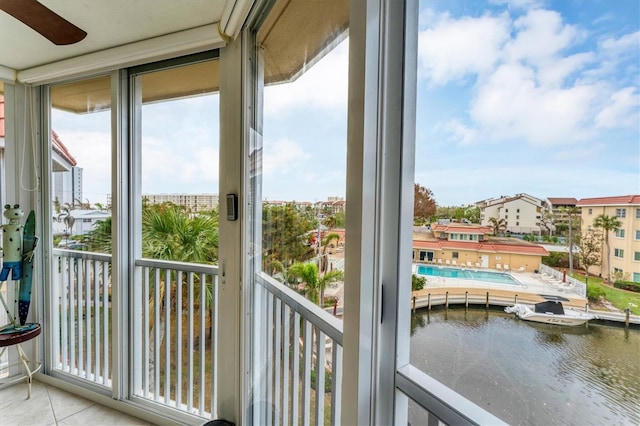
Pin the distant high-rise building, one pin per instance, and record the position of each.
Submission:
(193, 202)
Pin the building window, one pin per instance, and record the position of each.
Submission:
(517, 216)
(518, 211)
(455, 255)
(590, 211)
(517, 223)
(506, 217)
(619, 253)
(636, 256)
(637, 237)
(637, 213)
(620, 233)
(636, 277)
(621, 213)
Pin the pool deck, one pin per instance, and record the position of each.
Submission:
(439, 290)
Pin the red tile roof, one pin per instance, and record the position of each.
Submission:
(563, 201)
(61, 149)
(486, 247)
(459, 228)
(610, 201)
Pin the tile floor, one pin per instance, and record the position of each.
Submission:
(51, 406)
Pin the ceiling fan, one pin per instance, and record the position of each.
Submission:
(43, 20)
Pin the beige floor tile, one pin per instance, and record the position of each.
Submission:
(99, 415)
(65, 404)
(17, 410)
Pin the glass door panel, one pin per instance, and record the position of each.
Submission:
(81, 227)
(298, 186)
(176, 141)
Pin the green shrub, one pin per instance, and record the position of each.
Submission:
(627, 285)
(556, 259)
(594, 294)
(417, 283)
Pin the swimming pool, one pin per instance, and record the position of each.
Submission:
(467, 274)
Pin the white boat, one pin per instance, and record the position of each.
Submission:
(551, 311)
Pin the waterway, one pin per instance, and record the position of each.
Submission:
(530, 374)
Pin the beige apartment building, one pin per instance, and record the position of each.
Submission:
(522, 212)
(625, 242)
(466, 245)
(193, 202)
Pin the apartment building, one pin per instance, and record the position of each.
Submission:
(192, 202)
(625, 242)
(473, 246)
(522, 212)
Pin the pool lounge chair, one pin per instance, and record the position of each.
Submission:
(505, 267)
(498, 266)
(439, 261)
(454, 262)
(448, 262)
(520, 269)
(469, 264)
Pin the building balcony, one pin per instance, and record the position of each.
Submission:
(174, 339)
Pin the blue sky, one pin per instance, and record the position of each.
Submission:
(514, 96)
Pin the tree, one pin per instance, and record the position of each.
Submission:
(67, 218)
(590, 246)
(499, 225)
(571, 212)
(330, 221)
(424, 206)
(607, 224)
(547, 220)
(417, 283)
(285, 235)
(315, 284)
(99, 238)
(325, 243)
(472, 214)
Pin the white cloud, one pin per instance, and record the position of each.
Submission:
(453, 49)
(459, 132)
(512, 106)
(282, 155)
(325, 85)
(627, 42)
(621, 110)
(541, 36)
(519, 4)
(526, 87)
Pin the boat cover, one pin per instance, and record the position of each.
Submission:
(552, 307)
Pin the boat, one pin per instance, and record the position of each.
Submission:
(551, 311)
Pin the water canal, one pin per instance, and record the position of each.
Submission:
(531, 374)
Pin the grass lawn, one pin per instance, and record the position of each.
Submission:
(618, 298)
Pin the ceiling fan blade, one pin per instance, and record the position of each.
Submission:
(43, 20)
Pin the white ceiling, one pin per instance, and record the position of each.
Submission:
(109, 23)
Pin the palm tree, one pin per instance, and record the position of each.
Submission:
(67, 218)
(607, 224)
(315, 284)
(571, 212)
(325, 243)
(499, 225)
(308, 274)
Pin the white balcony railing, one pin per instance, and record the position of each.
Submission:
(173, 338)
(301, 353)
(81, 285)
(172, 333)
